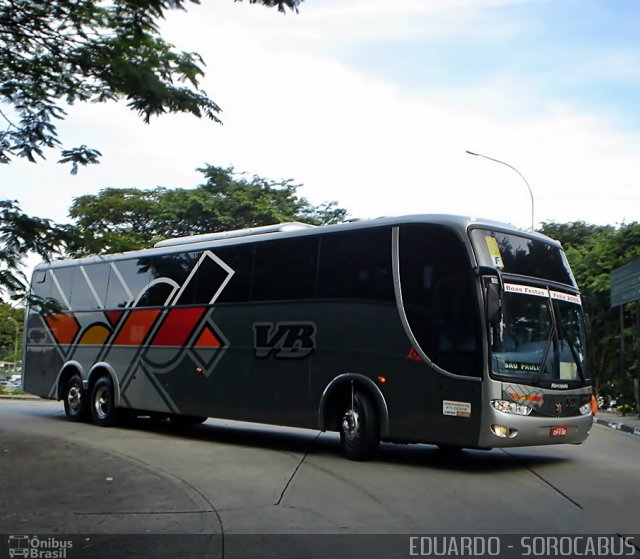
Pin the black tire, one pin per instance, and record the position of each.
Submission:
(359, 428)
(103, 403)
(187, 420)
(76, 399)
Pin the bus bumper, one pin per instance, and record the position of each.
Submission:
(507, 430)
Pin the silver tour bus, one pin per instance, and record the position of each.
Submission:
(422, 329)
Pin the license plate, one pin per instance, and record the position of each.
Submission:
(559, 431)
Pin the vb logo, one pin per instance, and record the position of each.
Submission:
(284, 340)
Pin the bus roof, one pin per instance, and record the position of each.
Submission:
(295, 229)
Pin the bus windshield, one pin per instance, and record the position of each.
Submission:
(541, 337)
(522, 256)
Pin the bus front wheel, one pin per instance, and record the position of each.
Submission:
(75, 399)
(359, 430)
(103, 408)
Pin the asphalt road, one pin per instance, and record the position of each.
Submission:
(223, 481)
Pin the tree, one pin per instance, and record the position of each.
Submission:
(20, 235)
(58, 52)
(11, 320)
(117, 220)
(594, 251)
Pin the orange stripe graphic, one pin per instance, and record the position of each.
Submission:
(208, 339)
(96, 335)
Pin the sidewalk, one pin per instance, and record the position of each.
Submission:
(629, 423)
(11, 396)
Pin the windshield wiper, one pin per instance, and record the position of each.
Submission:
(566, 337)
(574, 354)
(536, 379)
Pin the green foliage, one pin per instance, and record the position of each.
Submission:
(58, 52)
(625, 408)
(117, 220)
(14, 393)
(593, 252)
(20, 235)
(11, 324)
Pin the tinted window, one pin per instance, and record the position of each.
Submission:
(41, 284)
(82, 297)
(356, 265)
(170, 275)
(285, 269)
(211, 276)
(200, 275)
(240, 260)
(439, 297)
(522, 256)
(128, 280)
(63, 285)
(98, 275)
(84, 287)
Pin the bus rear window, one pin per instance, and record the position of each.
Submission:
(521, 256)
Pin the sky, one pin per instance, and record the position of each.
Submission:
(374, 103)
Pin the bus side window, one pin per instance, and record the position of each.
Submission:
(439, 297)
(128, 282)
(356, 265)
(169, 274)
(240, 259)
(98, 276)
(89, 287)
(41, 284)
(63, 286)
(285, 270)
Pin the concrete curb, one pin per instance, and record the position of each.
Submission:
(19, 397)
(618, 425)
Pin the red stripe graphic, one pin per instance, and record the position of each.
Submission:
(114, 317)
(177, 326)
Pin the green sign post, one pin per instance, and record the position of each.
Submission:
(625, 288)
(625, 284)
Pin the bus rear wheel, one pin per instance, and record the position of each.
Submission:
(75, 399)
(359, 428)
(103, 403)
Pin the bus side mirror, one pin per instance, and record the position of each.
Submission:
(494, 303)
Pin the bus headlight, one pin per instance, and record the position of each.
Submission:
(585, 409)
(504, 432)
(510, 407)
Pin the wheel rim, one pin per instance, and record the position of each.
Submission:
(74, 398)
(102, 403)
(351, 425)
